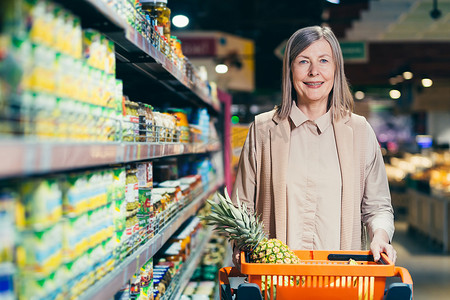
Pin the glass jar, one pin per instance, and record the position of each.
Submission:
(163, 18)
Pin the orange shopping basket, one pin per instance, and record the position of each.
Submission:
(320, 275)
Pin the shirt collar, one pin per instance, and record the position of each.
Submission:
(298, 118)
(323, 122)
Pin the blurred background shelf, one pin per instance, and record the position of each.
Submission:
(107, 287)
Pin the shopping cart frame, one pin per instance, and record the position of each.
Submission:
(324, 275)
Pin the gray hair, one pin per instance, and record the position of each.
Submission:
(340, 99)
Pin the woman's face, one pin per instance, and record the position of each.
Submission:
(313, 73)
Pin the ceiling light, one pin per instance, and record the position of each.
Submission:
(359, 95)
(221, 68)
(407, 75)
(334, 1)
(395, 94)
(180, 21)
(427, 82)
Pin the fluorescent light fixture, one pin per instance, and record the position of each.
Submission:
(180, 21)
(221, 68)
(333, 1)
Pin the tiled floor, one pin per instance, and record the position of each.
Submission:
(428, 265)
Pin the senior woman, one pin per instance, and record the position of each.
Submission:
(311, 168)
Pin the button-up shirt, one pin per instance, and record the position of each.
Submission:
(313, 184)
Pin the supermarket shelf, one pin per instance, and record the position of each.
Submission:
(133, 49)
(107, 287)
(189, 268)
(21, 157)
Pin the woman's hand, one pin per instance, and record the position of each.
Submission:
(380, 243)
(237, 258)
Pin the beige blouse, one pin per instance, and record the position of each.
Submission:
(313, 184)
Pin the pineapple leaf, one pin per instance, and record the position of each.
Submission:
(237, 198)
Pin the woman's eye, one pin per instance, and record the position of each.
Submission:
(303, 61)
(323, 60)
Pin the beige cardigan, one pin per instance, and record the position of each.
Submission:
(261, 177)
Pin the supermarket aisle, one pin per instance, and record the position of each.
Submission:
(429, 267)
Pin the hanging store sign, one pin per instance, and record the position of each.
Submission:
(354, 51)
(199, 46)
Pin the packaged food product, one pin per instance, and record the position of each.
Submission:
(163, 18)
(182, 125)
(75, 239)
(42, 201)
(8, 200)
(131, 122)
(142, 123)
(132, 202)
(92, 51)
(75, 201)
(135, 286)
(40, 251)
(149, 123)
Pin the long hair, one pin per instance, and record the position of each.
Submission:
(340, 99)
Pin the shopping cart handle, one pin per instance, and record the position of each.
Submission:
(345, 257)
(356, 257)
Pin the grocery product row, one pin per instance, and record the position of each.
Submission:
(203, 283)
(420, 188)
(160, 275)
(61, 81)
(64, 232)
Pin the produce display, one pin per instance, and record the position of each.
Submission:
(246, 231)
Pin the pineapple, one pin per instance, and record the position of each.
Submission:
(247, 231)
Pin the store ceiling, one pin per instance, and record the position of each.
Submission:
(400, 33)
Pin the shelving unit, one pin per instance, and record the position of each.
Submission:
(136, 55)
(138, 62)
(35, 157)
(178, 284)
(112, 282)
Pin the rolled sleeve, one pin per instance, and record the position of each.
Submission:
(376, 208)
